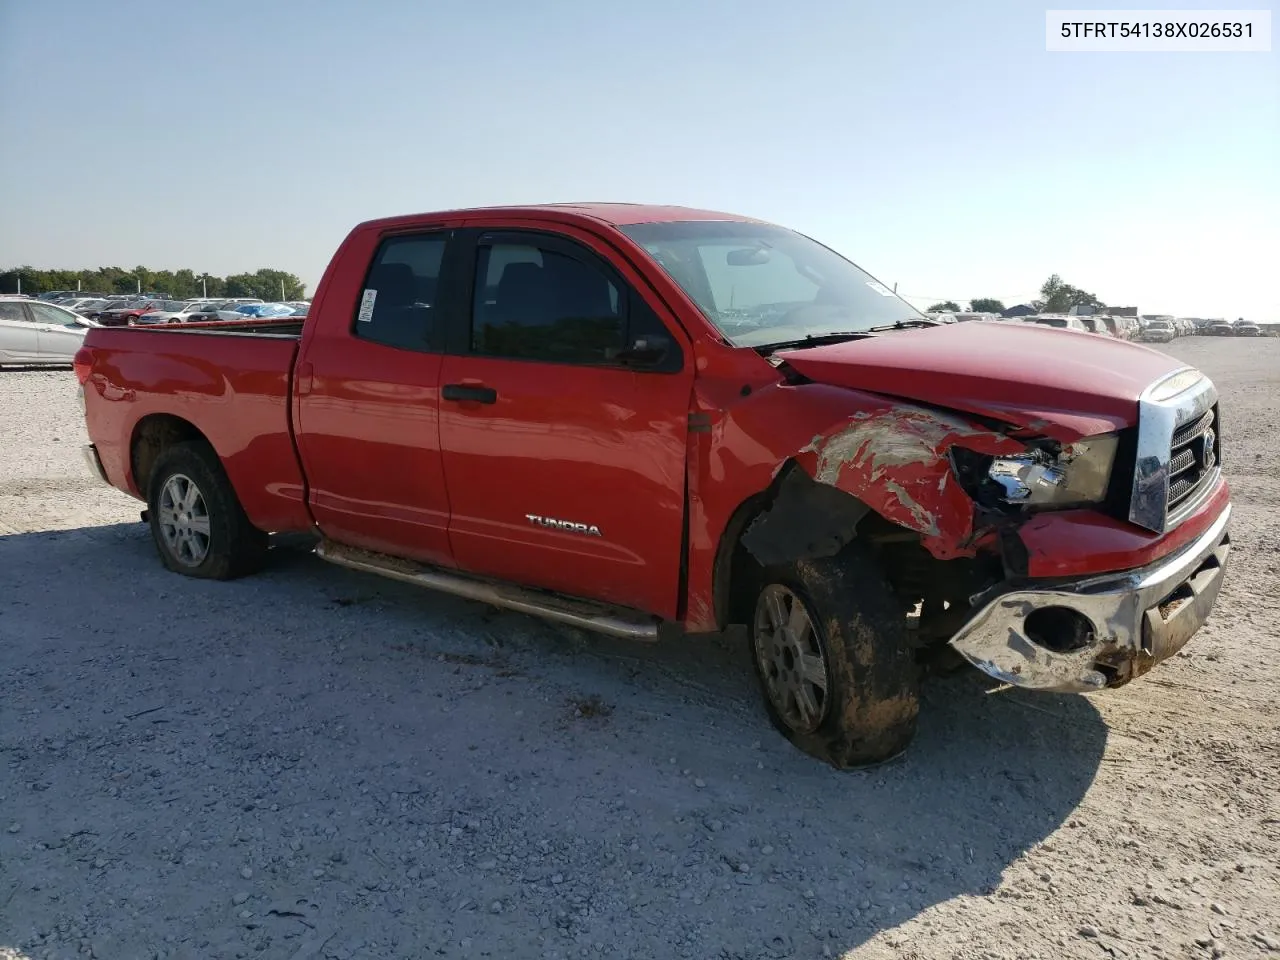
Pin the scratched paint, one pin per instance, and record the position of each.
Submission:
(895, 461)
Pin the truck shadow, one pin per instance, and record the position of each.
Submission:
(619, 784)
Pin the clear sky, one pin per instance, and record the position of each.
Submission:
(937, 144)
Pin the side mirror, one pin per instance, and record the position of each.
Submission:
(645, 351)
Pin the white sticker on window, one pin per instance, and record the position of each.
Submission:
(880, 288)
(366, 306)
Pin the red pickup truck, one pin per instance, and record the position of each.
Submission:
(657, 422)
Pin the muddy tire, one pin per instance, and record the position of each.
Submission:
(830, 649)
(197, 523)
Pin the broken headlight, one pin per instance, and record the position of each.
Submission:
(1047, 475)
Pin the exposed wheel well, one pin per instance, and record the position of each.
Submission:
(800, 517)
(151, 437)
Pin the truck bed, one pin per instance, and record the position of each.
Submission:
(230, 383)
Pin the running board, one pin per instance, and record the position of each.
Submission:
(597, 618)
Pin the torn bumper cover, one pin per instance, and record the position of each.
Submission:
(1082, 635)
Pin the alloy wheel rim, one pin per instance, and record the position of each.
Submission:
(184, 520)
(791, 658)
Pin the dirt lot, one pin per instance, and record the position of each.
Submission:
(316, 763)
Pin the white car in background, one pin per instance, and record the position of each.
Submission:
(33, 333)
(1158, 331)
(173, 311)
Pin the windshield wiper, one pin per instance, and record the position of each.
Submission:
(812, 340)
(905, 324)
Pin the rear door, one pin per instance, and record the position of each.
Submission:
(367, 386)
(565, 466)
(18, 336)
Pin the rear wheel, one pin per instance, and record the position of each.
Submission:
(197, 523)
(830, 649)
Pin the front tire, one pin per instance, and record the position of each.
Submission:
(198, 525)
(830, 649)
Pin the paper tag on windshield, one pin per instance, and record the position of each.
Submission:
(880, 288)
(366, 306)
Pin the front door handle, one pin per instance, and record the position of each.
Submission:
(468, 391)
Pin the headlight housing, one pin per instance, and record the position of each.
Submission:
(1047, 476)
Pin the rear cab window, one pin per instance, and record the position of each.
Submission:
(396, 304)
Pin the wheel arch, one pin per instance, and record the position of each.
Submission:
(794, 518)
(152, 436)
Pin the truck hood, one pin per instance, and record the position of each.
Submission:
(1061, 383)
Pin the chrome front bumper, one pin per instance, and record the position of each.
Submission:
(1138, 618)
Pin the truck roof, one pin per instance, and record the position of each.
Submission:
(615, 214)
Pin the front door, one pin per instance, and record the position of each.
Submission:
(368, 400)
(564, 458)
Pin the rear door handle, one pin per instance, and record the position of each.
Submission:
(471, 392)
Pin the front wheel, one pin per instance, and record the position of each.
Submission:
(197, 523)
(830, 648)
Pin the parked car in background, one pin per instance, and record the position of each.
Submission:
(35, 332)
(1060, 321)
(1220, 328)
(265, 311)
(87, 307)
(1243, 328)
(967, 317)
(125, 313)
(1095, 325)
(1157, 331)
(1122, 328)
(70, 298)
(95, 310)
(208, 311)
(171, 311)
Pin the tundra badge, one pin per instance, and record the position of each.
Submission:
(591, 530)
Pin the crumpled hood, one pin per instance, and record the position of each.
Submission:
(1063, 383)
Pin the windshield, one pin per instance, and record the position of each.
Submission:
(762, 284)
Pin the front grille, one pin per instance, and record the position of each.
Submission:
(1193, 455)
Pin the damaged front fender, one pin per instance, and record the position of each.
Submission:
(896, 461)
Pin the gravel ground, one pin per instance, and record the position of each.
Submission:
(314, 763)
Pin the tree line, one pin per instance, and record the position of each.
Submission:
(179, 284)
(1055, 297)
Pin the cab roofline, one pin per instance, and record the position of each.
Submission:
(612, 214)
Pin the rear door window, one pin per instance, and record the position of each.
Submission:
(12, 311)
(400, 293)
